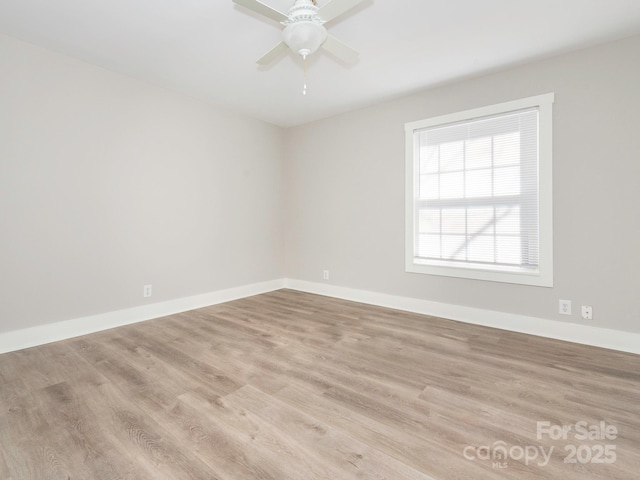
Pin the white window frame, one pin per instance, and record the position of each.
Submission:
(543, 275)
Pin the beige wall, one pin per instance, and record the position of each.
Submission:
(345, 197)
(107, 183)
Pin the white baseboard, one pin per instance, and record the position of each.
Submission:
(570, 332)
(31, 337)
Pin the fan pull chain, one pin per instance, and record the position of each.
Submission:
(304, 70)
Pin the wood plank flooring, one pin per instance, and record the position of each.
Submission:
(289, 385)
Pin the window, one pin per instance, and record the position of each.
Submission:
(479, 193)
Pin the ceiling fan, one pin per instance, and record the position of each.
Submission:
(304, 30)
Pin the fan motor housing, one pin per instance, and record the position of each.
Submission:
(304, 32)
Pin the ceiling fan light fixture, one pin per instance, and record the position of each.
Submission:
(304, 37)
(304, 30)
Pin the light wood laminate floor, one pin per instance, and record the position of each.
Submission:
(289, 385)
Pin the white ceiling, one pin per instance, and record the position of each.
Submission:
(208, 48)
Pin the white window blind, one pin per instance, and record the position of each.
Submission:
(475, 186)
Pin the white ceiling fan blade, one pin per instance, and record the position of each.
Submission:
(262, 9)
(334, 8)
(341, 50)
(271, 56)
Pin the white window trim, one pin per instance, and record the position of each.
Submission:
(544, 276)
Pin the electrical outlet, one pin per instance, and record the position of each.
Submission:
(147, 290)
(565, 307)
(587, 312)
(325, 275)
